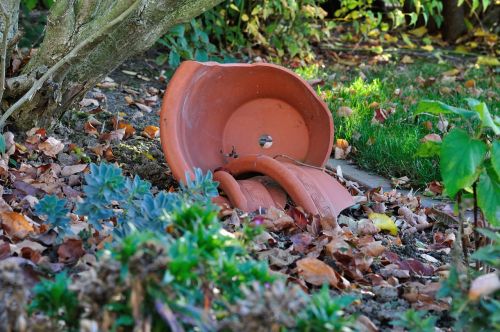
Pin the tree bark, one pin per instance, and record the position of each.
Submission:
(454, 20)
(9, 15)
(84, 41)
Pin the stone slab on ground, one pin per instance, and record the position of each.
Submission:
(371, 180)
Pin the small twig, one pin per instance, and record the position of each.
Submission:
(298, 162)
(3, 56)
(462, 234)
(65, 60)
(476, 233)
(168, 316)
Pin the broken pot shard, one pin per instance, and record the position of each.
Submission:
(251, 194)
(317, 192)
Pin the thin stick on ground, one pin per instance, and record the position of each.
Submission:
(3, 49)
(476, 225)
(462, 234)
(64, 61)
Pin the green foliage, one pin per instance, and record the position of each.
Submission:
(186, 41)
(54, 299)
(106, 188)
(326, 313)
(489, 254)
(32, 4)
(467, 158)
(286, 28)
(461, 157)
(56, 214)
(362, 16)
(197, 261)
(415, 321)
(470, 314)
(428, 9)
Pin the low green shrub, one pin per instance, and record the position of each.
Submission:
(285, 28)
(471, 313)
(416, 321)
(171, 265)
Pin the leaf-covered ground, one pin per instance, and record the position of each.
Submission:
(389, 251)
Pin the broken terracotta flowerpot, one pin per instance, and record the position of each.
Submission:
(213, 112)
(251, 194)
(311, 188)
(234, 119)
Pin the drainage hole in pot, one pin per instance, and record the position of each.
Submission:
(265, 141)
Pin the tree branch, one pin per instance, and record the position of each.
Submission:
(65, 60)
(3, 49)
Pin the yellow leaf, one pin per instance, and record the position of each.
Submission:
(452, 72)
(488, 61)
(390, 39)
(407, 40)
(462, 49)
(419, 32)
(429, 48)
(377, 49)
(407, 59)
(384, 223)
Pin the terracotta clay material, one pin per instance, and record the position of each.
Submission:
(234, 119)
(251, 194)
(310, 188)
(212, 111)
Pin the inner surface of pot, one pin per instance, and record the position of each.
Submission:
(214, 112)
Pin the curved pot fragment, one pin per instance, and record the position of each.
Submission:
(314, 190)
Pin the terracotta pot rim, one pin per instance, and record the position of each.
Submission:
(171, 144)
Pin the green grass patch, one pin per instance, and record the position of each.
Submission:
(389, 148)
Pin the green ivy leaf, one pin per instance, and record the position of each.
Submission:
(488, 195)
(495, 156)
(461, 156)
(437, 107)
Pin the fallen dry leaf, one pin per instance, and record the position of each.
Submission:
(344, 111)
(373, 249)
(431, 138)
(51, 147)
(470, 84)
(129, 100)
(144, 108)
(129, 129)
(115, 135)
(73, 169)
(89, 102)
(316, 272)
(151, 132)
(16, 225)
(484, 285)
(89, 128)
(384, 223)
(407, 59)
(70, 251)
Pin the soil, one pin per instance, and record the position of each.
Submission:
(136, 155)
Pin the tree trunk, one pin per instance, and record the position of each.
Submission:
(454, 20)
(84, 41)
